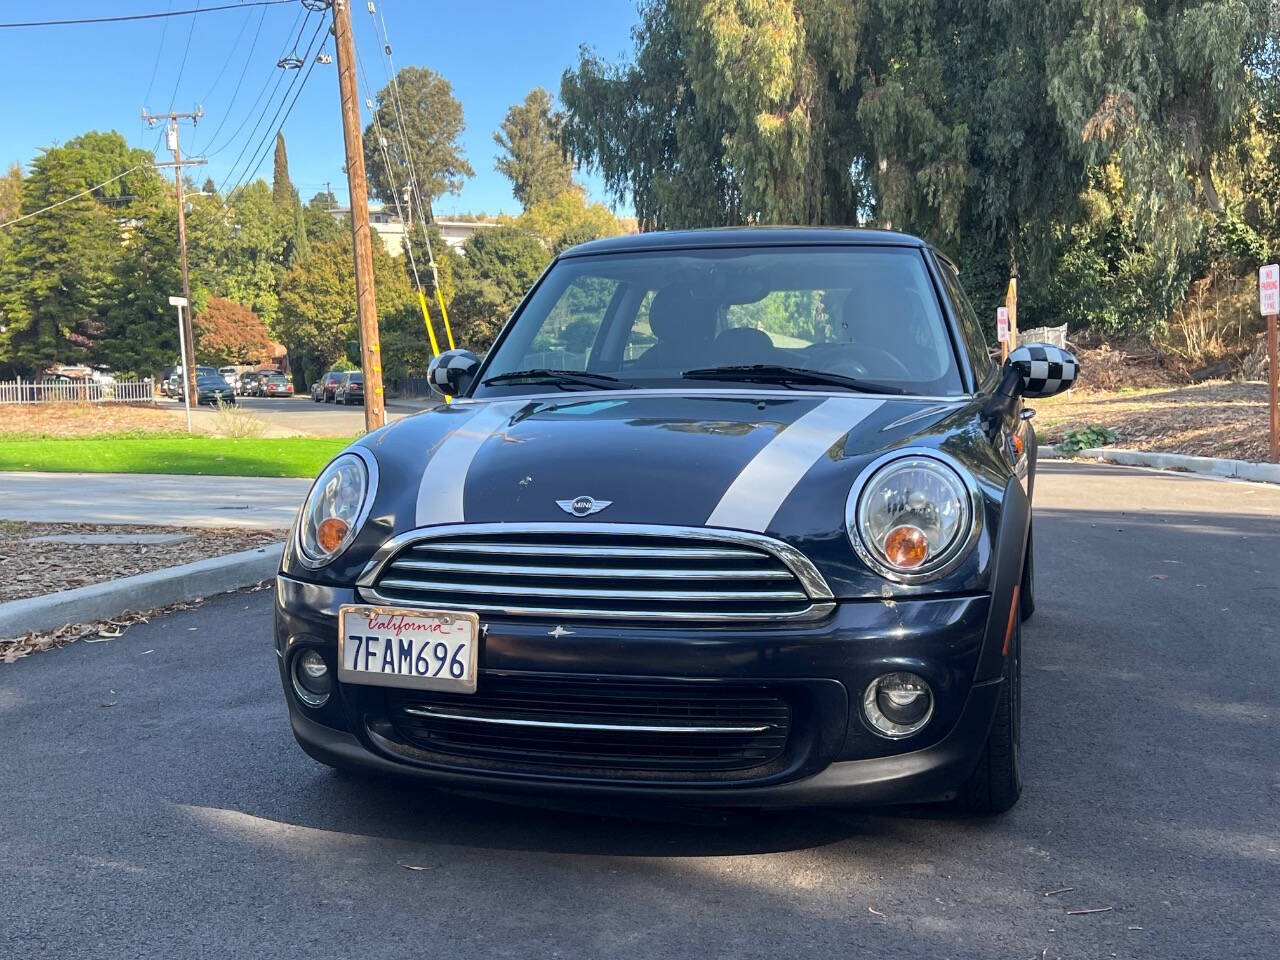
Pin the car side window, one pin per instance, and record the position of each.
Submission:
(975, 340)
(572, 326)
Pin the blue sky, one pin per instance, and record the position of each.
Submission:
(65, 80)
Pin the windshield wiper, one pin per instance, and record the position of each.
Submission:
(559, 377)
(771, 373)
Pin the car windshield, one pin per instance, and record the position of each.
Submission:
(798, 317)
(277, 380)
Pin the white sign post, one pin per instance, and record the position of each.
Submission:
(1269, 304)
(181, 302)
(1002, 324)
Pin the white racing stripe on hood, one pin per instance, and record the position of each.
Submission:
(765, 483)
(444, 479)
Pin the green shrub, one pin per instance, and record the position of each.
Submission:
(1088, 438)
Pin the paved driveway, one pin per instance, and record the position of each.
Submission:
(154, 804)
(182, 501)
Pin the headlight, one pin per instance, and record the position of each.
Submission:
(912, 517)
(335, 509)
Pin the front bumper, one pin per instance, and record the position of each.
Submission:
(832, 756)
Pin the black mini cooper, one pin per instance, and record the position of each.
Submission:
(724, 517)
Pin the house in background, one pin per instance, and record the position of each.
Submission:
(390, 228)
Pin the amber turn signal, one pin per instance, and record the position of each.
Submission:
(906, 546)
(331, 533)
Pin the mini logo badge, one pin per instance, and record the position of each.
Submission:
(583, 506)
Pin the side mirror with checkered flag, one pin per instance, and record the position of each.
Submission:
(1042, 369)
(451, 373)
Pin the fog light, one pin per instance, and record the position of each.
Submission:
(311, 680)
(898, 704)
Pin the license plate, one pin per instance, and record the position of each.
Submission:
(417, 649)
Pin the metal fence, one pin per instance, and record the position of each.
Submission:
(1054, 335)
(77, 391)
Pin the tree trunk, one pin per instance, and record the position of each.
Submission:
(1211, 197)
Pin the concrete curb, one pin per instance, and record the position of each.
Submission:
(1209, 466)
(146, 591)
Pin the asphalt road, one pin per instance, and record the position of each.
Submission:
(155, 805)
(301, 414)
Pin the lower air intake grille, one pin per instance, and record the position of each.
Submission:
(603, 571)
(619, 727)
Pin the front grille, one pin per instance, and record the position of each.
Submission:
(619, 727)
(600, 571)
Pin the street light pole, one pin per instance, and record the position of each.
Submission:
(181, 304)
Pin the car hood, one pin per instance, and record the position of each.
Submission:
(779, 463)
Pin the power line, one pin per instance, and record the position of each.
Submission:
(226, 61)
(269, 135)
(256, 100)
(145, 16)
(185, 51)
(164, 29)
(423, 210)
(262, 116)
(386, 158)
(77, 196)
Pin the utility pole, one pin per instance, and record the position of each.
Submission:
(172, 141)
(375, 413)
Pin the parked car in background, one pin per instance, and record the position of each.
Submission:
(276, 385)
(260, 382)
(246, 382)
(171, 386)
(213, 388)
(229, 374)
(350, 389)
(331, 381)
(171, 382)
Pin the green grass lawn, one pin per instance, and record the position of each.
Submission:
(172, 453)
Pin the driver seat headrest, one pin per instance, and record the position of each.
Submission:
(675, 316)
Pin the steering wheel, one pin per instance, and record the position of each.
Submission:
(859, 369)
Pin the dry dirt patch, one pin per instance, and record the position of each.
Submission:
(81, 419)
(1214, 419)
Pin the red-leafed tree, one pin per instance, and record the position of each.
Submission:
(228, 333)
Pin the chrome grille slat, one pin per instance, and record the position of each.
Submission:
(628, 573)
(597, 571)
(502, 589)
(560, 550)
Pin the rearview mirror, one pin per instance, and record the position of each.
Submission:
(451, 373)
(1042, 370)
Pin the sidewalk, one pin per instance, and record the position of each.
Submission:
(182, 501)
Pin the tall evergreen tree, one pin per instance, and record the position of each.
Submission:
(533, 158)
(56, 281)
(287, 202)
(432, 128)
(282, 192)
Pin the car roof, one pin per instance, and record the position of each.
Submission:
(744, 237)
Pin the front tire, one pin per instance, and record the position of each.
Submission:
(996, 783)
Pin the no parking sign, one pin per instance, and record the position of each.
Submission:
(1269, 289)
